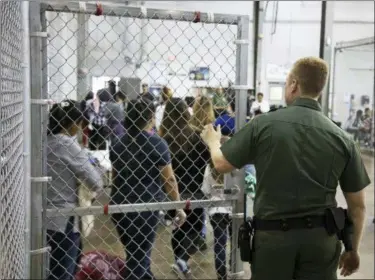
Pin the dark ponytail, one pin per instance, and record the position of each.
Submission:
(138, 115)
(64, 114)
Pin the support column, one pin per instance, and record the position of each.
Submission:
(241, 86)
(325, 47)
(259, 16)
(83, 76)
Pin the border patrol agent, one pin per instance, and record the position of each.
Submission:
(300, 156)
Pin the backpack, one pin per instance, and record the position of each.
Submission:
(98, 265)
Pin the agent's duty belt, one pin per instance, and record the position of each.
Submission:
(289, 224)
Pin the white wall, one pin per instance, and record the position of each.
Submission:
(112, 39)
(353, 75)
(62, 56)
(191, 44)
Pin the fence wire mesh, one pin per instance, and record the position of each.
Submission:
(353, 105)
(12, 190)
(174, 76)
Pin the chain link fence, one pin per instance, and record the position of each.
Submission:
(13, 247)
(111, 194)
(352, 104)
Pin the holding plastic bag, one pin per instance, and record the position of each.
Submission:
(100, 266)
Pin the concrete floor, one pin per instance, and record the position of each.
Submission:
(104, 237)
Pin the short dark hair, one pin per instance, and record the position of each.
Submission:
(112, 87)
(120, 95)
(90, 95)
(138, 114)
(105, 96)
(260, 94)
(64, 114)
(166, 93)
(144, 85)
(190, 101)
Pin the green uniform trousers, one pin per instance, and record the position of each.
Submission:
(307, 254)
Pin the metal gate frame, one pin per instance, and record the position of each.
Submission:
(339, 47)
(39, 117)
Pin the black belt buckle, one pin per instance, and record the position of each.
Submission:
(284, 225)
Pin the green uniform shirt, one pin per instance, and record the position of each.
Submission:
(300, 157)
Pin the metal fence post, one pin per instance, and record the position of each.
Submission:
(259, 16)
(332, 79)
(82, 73)
(27, 131)
(242, 66)
(37, 234)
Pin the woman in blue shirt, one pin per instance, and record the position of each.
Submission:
(141, 165)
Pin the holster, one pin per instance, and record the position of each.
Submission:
(245, 239)
(338, 222)
(334, 220)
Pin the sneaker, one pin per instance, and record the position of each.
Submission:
(182, 269)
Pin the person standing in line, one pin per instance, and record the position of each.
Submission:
(141, 165)
(203, 113)
(67, 163)
(300, 157)
(98, 130)
(190, 157)
(146, 93)
(260, 104)
(115, 114)
(220, 217)
(166, 94)
(220, 101)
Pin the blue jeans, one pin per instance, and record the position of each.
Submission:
(220, 223)
(65, 250)
(204, 229)
(137, 233)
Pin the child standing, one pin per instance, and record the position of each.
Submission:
(220, 218)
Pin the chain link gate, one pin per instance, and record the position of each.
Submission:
(354, 59)
(13, 152)
(80, 41)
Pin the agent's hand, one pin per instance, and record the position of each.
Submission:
(180, 217)
(210, 135)
(349, 263)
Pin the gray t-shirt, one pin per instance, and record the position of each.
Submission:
(114, 113)
(67, 163)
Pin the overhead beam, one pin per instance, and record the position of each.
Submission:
(355, 43)
(141, 12)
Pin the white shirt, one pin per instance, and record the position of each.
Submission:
(213, 194)
(190, 110)
(264, 106)
(159, 113)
